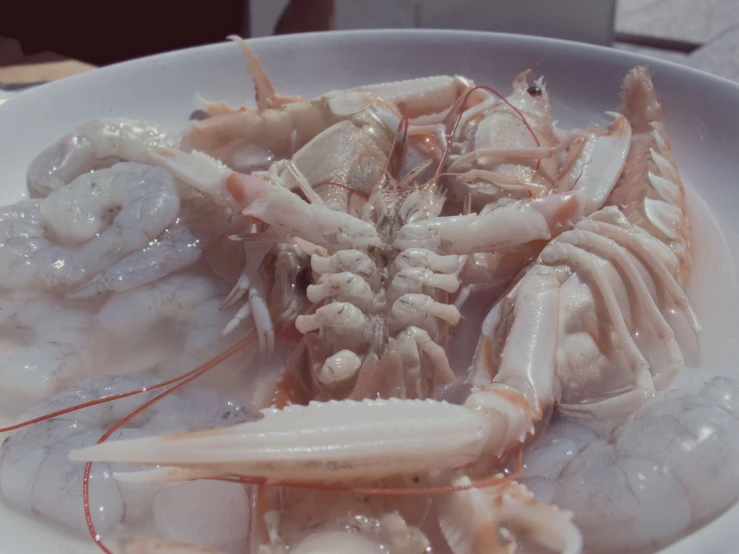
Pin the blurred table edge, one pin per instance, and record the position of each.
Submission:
(24, 72)
(16, 68)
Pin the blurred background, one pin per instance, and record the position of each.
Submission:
(81, 34)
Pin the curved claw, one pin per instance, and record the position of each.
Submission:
(600, 164)
(216, 107)
(273, 204)
(200, 171)
(336, 441)
(237, 293)
(504, 226)
(263, 323)
(264, 92)
(471, 519)
(266, 96)
(237, 319)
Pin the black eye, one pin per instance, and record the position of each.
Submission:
(534, 90)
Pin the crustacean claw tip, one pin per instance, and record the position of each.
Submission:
(201, 171)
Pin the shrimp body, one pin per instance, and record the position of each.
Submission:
(172, 324)
(182, 245)
(61, 347)
(170, 300)
(129, 194)
(91, 146)
(185, 308)
(646, 482)
(37, 478)
(65, 239)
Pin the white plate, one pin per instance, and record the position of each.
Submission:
(701, 115)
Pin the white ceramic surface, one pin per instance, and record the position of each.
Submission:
(701, 113)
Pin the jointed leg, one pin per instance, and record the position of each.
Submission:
(643, 387)
(256, 305)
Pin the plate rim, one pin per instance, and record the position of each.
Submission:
(379, 34)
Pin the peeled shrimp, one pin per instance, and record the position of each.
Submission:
(199, 224)
(37, 478)
(180, 320)
(654, 479)
(63, 341)
(61, 348)
(84, 228)
(138, 311)
(94, 145)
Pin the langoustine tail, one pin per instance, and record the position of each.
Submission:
(650, 191)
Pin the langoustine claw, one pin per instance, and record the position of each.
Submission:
(270, 203)
(330, 442)
(348, 442)
(508, 225)
(469, 520)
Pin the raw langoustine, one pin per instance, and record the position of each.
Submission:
(561, 338)
(364, 301)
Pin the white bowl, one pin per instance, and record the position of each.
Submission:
(701, 115)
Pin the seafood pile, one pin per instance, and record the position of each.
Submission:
(405, 317)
